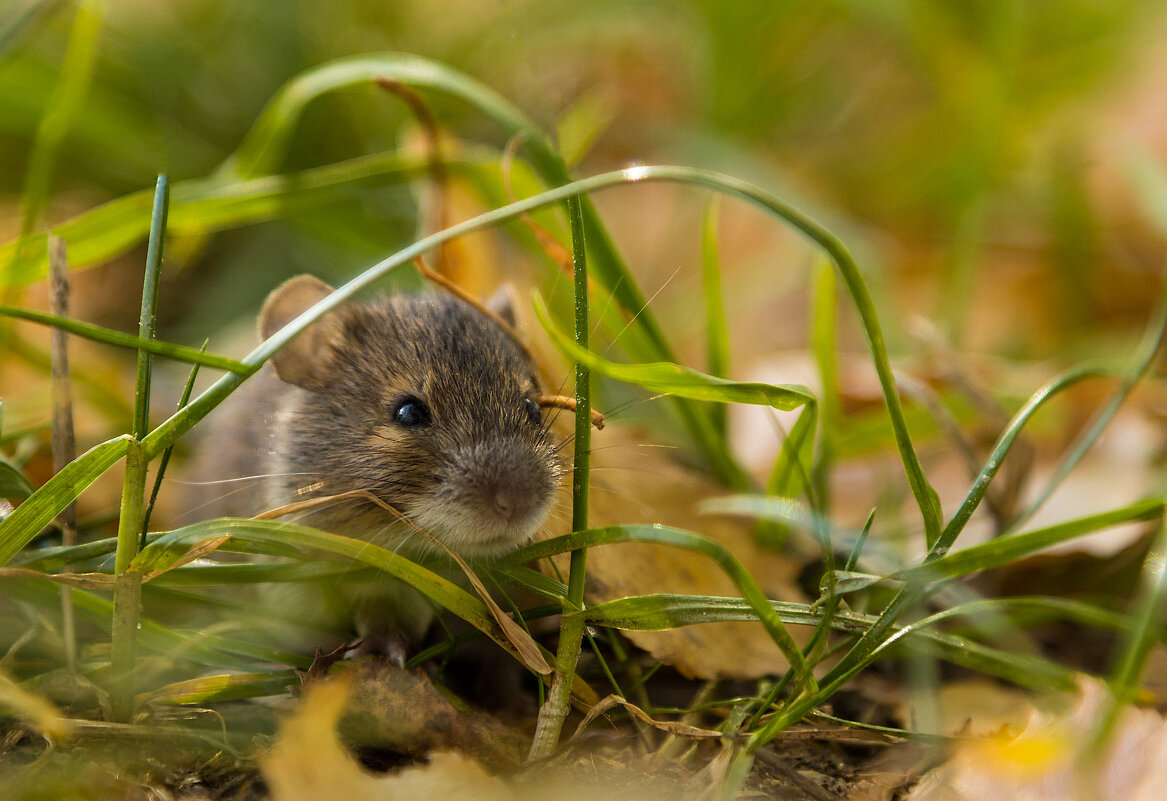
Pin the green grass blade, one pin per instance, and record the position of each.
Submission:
(1140, 366)
(674, 379)
(195, 646)
(202, 206)
(147, 323)
(716, 327)
(665, 611)
(59, 116)
(689, 540)
(267, 142)
(121, 340)
(258, 573)
(40, 508)
(165, 460)
(438, 589)
(824, 344)
(984, 556)
(791, 474)
(1006, 550)
(222, 687)
(554, 710)
(1144, 632)
(1004, 442)
(530, 580)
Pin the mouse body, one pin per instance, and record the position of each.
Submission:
(424, 401)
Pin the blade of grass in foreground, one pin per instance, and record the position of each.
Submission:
(674, 379)
(1140, 366)
(167, 549)
(199, 647)
(691, 541)
(879, 636)
(716, 328)
(554, 711)
(111, 337)
(1145, 631)
(661, 612)
(984, 556)
(40, 508)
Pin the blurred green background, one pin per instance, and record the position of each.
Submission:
(991, 163)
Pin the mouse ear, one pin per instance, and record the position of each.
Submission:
(305, 360)
(502, 303)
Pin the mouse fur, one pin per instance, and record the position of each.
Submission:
(471, 460)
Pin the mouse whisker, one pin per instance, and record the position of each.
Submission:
(235, 480)
(632, 319)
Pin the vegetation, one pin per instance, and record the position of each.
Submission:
(120, 626)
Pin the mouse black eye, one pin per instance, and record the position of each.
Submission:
(533, 411)
(411, 412)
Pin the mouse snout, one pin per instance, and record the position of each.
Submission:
(506, 501)
(503, 481)
(491, 496)
(510, 499)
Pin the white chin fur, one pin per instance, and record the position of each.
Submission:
(471, 535)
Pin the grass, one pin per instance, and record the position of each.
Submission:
(865, 616)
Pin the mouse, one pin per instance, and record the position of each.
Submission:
(423, 400)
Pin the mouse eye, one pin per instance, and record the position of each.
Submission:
(411, 412)
(533, 411)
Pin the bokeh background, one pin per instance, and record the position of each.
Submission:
(994, 165)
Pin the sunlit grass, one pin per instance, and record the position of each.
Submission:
(251, 186)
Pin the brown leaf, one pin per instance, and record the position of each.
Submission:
(669, 726)
(1047, 761)
(87, 581)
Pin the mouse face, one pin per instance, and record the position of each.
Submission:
(425, 402)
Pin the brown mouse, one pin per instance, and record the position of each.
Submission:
(422, 400)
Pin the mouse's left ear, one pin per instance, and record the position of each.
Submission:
(306, 360)
(502, 303)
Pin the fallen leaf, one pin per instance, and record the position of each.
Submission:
(1045, 761)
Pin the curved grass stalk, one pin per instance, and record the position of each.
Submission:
(1139, 368)
(689, 540)
(879, 636)
(925, 495)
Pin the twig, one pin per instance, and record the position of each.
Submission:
(64, 440)
(438, 213)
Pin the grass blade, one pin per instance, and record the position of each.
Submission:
(39, 509)
(59, 116)
(202, 206)
(674, 379)
(301, 538)
(691, 541)
(716, 328)
(554, 711)
(121, 340)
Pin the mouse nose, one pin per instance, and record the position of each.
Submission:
(507, 503)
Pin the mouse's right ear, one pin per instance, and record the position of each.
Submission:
(305, 360)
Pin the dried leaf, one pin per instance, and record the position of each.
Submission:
(87, 581)
(669, 726)
(1045, 761)
(309, 763)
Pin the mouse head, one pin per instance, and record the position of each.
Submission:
(425, 401)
